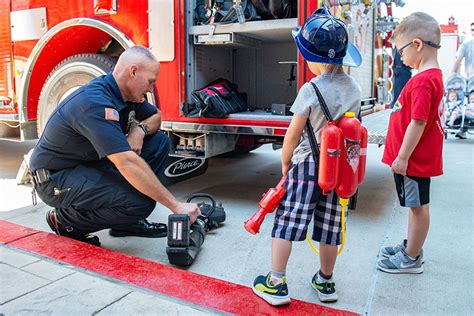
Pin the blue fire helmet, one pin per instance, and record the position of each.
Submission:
(324, 39)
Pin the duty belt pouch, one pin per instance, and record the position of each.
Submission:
(314, 145)
(217, 100)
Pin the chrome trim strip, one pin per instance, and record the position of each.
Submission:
(224, 129)
(9, 117)
(25, 81)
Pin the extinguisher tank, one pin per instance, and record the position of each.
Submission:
(329, 159)
(351, 131)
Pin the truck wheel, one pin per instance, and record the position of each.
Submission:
(70, 74)
(245, 144)
(238, 151)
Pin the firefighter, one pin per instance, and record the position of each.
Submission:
(98, 159)
(401, 75)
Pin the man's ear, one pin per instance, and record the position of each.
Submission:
(133, 70)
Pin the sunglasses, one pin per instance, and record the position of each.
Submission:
(429, 43)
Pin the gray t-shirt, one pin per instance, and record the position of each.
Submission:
(467, 51)
(341, 93)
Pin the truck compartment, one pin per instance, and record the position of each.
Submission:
(258, 56)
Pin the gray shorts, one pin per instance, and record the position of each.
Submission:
(412, 191)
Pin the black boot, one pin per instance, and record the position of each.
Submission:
(68, 231)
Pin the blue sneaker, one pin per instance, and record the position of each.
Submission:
(273, 294)
(326, 290)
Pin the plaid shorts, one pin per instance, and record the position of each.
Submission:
(302, 200)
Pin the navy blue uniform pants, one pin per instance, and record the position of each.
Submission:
(95, 196)
(400, 79)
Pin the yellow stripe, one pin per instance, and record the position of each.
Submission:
(262, 288)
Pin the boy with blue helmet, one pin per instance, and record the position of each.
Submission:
(323, 42)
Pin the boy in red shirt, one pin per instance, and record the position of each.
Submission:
(415, 136)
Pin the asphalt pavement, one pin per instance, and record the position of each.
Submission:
(233, 255)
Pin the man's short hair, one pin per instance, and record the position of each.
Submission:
(142, 52)
(418, 25)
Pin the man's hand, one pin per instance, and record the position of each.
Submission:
(400, 166)
(135, 139)
(190, 209)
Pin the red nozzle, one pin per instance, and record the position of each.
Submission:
(267, 204)
(254, 223)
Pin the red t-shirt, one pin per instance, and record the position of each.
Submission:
(421, 99)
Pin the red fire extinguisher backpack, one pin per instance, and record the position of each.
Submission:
(341, 159)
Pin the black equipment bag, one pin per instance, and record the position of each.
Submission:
(217, 99)
(222, 11)
(314, 145)
(276, 9)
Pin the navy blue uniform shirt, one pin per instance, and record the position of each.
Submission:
(87, 126)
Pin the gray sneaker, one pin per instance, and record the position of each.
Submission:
(391, 250)
(400, 263)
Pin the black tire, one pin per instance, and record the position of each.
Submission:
(70, 74)
(244, 145)
(239, 151)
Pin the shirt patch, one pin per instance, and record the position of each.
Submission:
(111, 114)
(397, 107)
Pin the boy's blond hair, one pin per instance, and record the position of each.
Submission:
(328, 67)
(418, 25)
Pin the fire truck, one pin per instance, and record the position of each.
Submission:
(49, 48)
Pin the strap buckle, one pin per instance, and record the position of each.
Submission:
(41, 176)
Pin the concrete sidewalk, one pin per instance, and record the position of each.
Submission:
(231, 254)
(33, 285)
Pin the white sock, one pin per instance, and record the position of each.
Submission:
(276, 277)
(411, 258)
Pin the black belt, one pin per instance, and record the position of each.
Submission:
(41, 176)
(401, 67)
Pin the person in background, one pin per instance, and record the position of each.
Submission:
(401, 75)
(466, 52)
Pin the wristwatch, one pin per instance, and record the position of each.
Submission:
(145, 128)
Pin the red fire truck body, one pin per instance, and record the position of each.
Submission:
(51, 47)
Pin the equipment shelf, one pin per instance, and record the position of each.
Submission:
(258, 31)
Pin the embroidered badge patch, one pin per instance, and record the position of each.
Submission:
(111, 114)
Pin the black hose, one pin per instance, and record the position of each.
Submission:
(204, 195)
